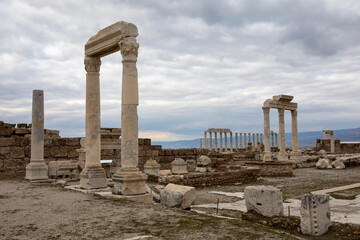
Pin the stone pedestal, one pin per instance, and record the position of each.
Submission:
(151, 167)
(37, 170)
(179, 166)
(315, 214)
(129, 181)
(92, 177)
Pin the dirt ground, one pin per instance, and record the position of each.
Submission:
(46, 211)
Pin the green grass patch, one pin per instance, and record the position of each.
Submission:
(339, 196)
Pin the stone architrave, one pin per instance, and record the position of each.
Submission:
(266, 200)
(37, 170)
(128, 180)
(315, 214)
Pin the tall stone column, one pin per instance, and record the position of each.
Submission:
(221, 146)
(231, 142)
(332, 143)
(261, 139)
(210, 142)
(241, 140)
(295, 155)
(216, 143)
(249, 135)
(276, 140)
(253, 139)
(93, 175)
(200, 143)
(130, 180)
(267, 151)
(226, 148)
(236, 141)
(205, 140)
(245, 142)
(257, 140)
(282, 153)
(37, 170)
(272, 139)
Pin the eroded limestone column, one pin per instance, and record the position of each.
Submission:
(226, 147)
(272, 139)
(295, 154)
(221, 146)
(282, 150)
(236, 141)
(332, 143)
(241, 140)
(200, 142)
(261, 139)
(249, 135)
(205, 140)
(93, 175)
(253, 139)
(267, 151)
(37, 170)
(210, 141)
(231, 142)
(276, 140)
(257, 140)
(245, 142)
(216, 145)
(325, 135)
(129, 181)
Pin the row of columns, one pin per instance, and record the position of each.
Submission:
(212, 143)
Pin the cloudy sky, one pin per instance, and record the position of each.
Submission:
(201, 63)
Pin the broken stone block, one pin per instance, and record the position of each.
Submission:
(265, 200)
(64, 169)
(315, 214)
(177, 196)
(338, 164)
(179, 166)
(203, 161)
(323, 163)
(151, 167)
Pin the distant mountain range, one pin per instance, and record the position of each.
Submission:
(306, 139)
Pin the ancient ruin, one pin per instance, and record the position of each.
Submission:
(281, 103)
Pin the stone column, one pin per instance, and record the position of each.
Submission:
(261, 138)
(205, 140)
(253, 139)
(276, 140)
(241, 140)
(216, 145)
(130, 180)
(272, 139)
(226, 148)
(282, 152)
(267, 151)
(236, 141)
(332, 143)
(249, 134)
(325, 136)
(295, 155)
(257, 140)
(200, 142)
(210, 141)
(37, 170)
(231, 142)
(221, 146)
(93, 175)
(245, 142)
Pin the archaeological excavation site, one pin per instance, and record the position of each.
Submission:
(113, 184)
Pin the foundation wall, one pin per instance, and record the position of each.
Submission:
(339, 147)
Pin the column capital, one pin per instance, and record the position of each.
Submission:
(92, 64)
(266, 109)
(129, 49)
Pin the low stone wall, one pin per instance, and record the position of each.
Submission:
(169, 155)
(212, 178)
(339, 147)
(272, 168)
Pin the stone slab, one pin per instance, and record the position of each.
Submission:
(337, 189)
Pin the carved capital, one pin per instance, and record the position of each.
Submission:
(129, 48)
(92, 64)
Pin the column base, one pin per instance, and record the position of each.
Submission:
(296, 157)
(92, 177)
(282, 156)
(37, 171)
(267, 156)
(129, 181)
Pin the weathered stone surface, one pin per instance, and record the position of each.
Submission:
(323, 163)
(164, 172)
(17, 152)
(5, 142)
(265, 200)
(179, 166)
(338, 164)
(64, 169)
(203, 161)
(177, 196)
(191, 165)
(315, 214)
(151, 167)
(6, 132)
(322, 153)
